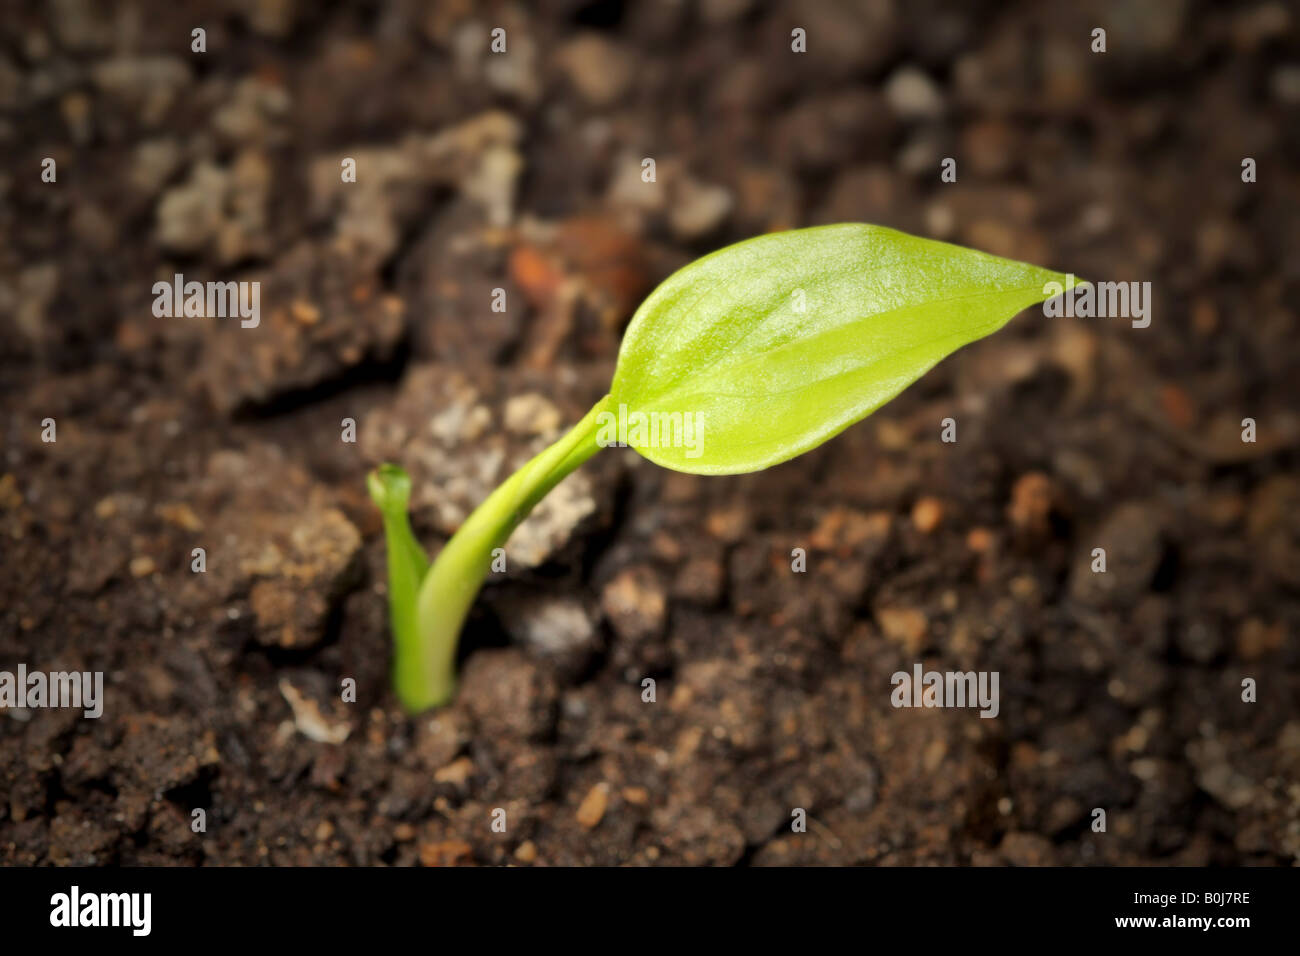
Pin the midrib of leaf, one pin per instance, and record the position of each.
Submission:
(682, 385)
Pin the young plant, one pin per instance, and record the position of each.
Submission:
(745, 358)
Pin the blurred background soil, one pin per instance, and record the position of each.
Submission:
(522, 172)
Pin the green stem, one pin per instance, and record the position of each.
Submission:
(426, 676)
(390, 487)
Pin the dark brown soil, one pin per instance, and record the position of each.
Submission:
(522, 172)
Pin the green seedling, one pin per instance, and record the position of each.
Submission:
(739, 361)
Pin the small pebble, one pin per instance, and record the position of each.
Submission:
(927, 514)
(592, 809)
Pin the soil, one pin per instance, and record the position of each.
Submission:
(522, 172)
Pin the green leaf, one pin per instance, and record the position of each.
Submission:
(724, 342)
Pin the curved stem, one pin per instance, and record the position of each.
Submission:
(427, 671)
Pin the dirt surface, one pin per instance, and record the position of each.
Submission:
(522, 172)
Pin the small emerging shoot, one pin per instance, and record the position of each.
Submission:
(757, 353)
